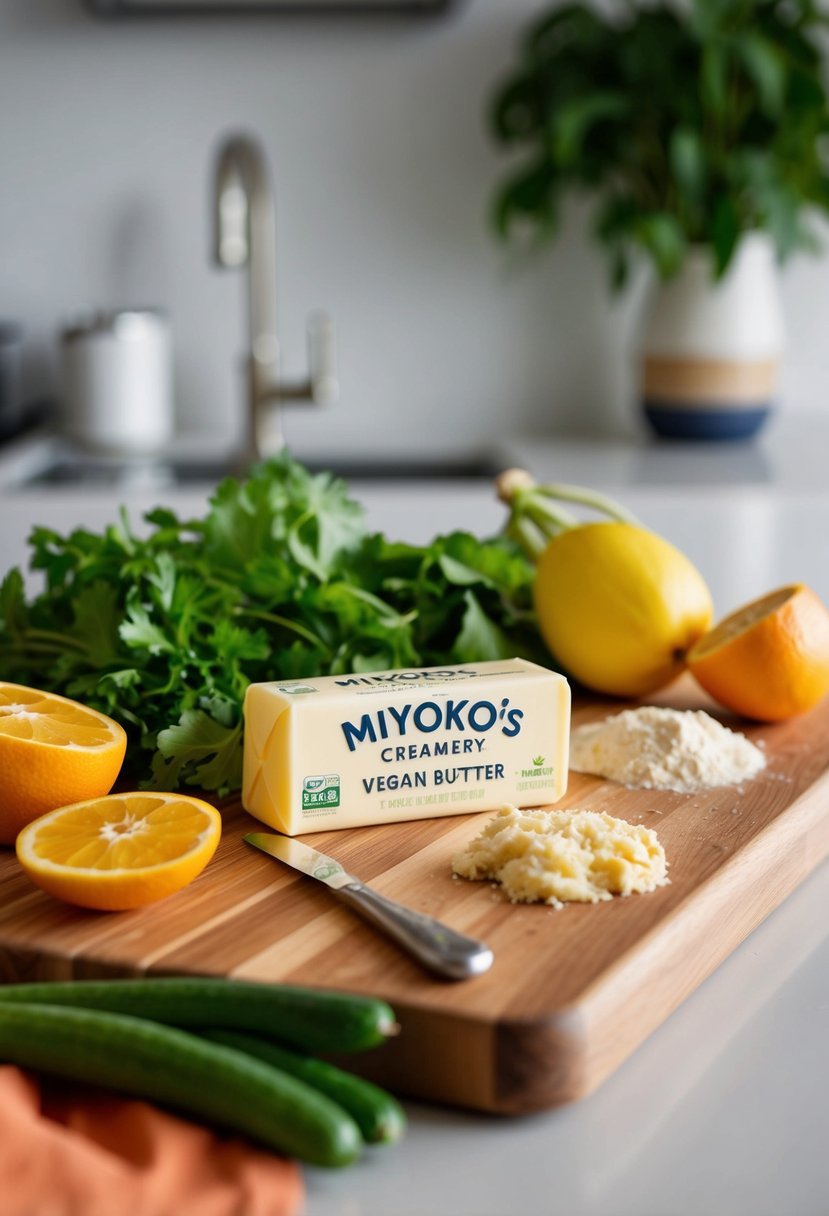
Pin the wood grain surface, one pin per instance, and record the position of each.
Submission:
(571, 993)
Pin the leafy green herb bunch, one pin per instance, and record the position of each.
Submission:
(164, 627)
(691, 122)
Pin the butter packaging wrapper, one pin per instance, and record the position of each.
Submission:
(344, 751)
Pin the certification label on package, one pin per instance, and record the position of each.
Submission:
(320, 792)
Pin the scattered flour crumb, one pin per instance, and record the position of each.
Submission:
(557, 856)
(665, 749)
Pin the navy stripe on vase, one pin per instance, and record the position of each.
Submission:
(710, 422)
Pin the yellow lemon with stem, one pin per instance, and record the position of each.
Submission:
(619, 606)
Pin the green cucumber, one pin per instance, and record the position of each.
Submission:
(159, 1063)
(378, 1115)
(303, 1018)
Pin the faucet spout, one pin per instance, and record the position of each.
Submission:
(245, 236)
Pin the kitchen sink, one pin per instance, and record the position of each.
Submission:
(67, 469)
(410, 497)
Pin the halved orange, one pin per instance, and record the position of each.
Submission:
(770, 659)
(52, 751)
(121, 851)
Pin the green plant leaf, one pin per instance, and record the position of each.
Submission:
(96, 614)
(664, 239)
(480, 637)
(13, 613)
(198, 750)
(782, 214)
(688, 162)
(140, 632)
(714, 79)
(725, 233)
(163, 578)
(571, 123)
(764, 64)
(331, 523)
(465, 560)
(706, 17)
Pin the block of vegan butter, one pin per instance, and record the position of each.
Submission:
(342, 751)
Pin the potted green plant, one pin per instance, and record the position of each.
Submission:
(699, 128)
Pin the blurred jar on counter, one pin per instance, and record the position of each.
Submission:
(118, 381)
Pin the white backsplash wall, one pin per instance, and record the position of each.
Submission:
(383, 170)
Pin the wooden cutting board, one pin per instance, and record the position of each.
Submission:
(571, 993)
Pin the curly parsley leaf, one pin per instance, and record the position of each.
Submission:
(480, 637)
(199, 750)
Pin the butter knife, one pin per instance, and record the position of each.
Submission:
(440, 949)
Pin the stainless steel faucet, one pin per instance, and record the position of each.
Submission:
(245, 233)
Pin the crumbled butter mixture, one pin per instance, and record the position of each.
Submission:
(558, 856)
(665, 749)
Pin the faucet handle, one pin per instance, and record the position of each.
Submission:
(322, 359)
(322, 386)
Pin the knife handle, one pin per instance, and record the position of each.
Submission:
(439, 948)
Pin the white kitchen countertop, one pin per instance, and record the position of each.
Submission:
(723, 1111)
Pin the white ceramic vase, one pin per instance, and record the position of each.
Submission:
(711, 350)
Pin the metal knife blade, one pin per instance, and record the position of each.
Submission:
(300, 857)
(442, 950)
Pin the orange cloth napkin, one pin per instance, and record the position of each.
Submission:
(74, 1153)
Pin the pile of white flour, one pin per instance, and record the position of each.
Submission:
(665, 749)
